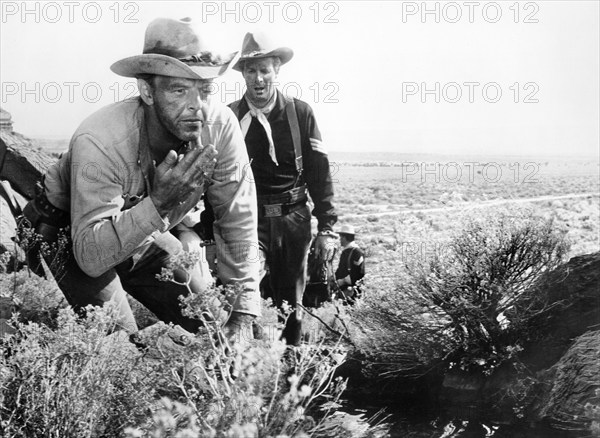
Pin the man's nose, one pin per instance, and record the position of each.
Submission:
(197, 99)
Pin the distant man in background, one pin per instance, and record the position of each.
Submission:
(351, 268)
(137, 168)
(289, 162)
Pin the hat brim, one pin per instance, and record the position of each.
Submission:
(285, 54)
(164, 65)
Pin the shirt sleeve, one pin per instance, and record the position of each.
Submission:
(103, 235)
(233, 200)
(57, 183)
(317, 169)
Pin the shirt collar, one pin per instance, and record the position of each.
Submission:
(144, 154)
(278, 107)
(266, 110)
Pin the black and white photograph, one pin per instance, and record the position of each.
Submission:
(325, 219)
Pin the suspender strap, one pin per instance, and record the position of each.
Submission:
(290, 110)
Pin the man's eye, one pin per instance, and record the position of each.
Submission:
(179, 91)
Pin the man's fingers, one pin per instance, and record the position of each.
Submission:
(167, 163)
(324, 248)
(203, 165)
(318, 250)
(188, 160)
(196, 159)
(207, 156)
(210, 151)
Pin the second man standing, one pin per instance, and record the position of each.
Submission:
(289, 163)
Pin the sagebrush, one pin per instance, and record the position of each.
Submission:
(67, 375)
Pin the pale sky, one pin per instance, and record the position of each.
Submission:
(372, 71)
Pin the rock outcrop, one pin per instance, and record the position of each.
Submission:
(574, 290)
(5, 121)
(22, 164)
(573, 402)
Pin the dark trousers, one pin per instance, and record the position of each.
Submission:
(160, 297)
(284, 242)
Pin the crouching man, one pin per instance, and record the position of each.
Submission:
(136, 168)
(351, 268)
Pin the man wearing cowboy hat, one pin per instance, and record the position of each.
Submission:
(351, 267)
(288, 160)
(134, 171)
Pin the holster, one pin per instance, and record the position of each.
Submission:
(45, 219)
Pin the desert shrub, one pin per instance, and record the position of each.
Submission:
(393, 333)
(592, 411)
(51, 256)
(35, 298)
(483, 282)
(268, 397)
(469, 303)
(65, 375)
(327, 324)
(248, 387)
(73, 380)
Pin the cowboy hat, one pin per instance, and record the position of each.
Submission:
(257, 45)
(175, 48)
(347, 229)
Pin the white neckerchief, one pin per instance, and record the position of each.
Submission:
(261, 116)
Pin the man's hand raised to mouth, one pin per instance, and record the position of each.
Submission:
(178, 178)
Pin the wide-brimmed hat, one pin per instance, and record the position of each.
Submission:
(258, 45)
(175, 48)
(347, 229)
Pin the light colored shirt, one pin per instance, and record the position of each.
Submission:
(104, 181)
